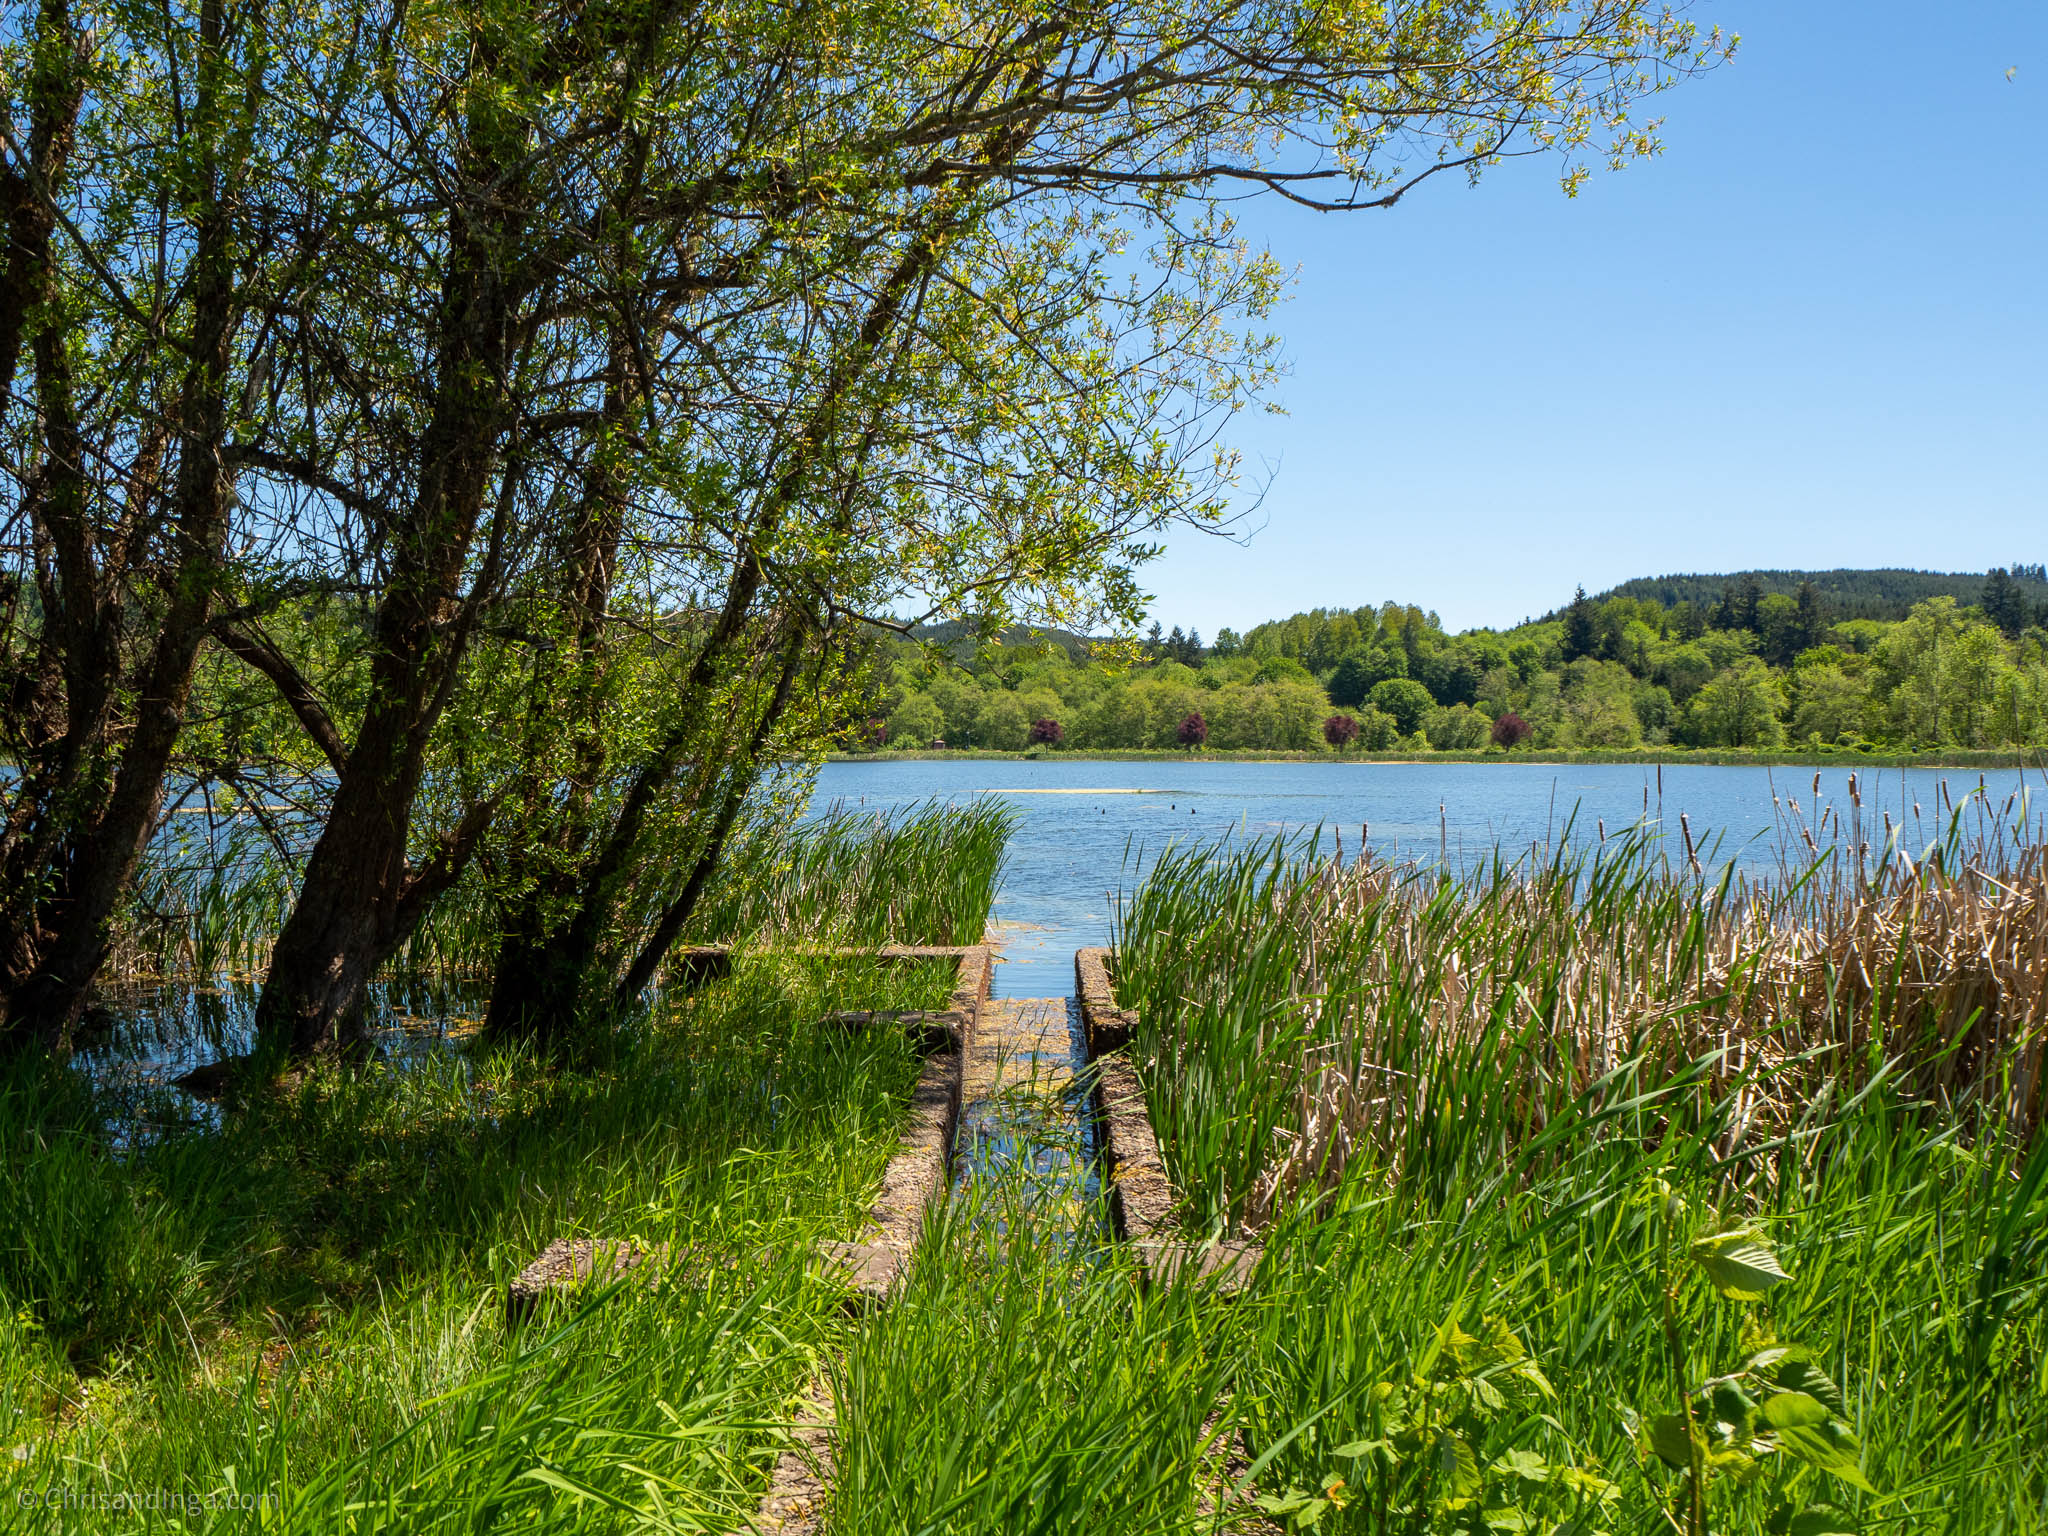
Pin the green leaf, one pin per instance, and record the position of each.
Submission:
(1670, 1439)
(1794, 1410)
(1523, 1463)
(1797, 1373)
(1833, 1447)
(1456, 1465)
(1732, 1405)
(1814, 1520)
(1739, 1264)
(1351, 1450)
(1499, 1345)
(1821, 1520)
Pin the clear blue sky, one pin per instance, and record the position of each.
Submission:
(1812, 333)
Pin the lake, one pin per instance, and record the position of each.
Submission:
(1087, 826)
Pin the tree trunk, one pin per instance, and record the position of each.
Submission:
(51, 999)
(359, 897)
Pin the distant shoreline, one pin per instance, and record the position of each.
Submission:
(2034, 758)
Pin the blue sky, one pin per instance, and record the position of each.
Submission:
(1814, 332)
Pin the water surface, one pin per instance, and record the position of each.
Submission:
(1078, 818)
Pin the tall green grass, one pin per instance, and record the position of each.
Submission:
(1024, 1383)
(1439, 1097)
(303, 1298)
(923, 875)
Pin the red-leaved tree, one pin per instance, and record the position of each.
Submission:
(1511, 730)
(1046, 733)
(1194, 730)
(1340, 731)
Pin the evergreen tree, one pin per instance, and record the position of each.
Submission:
(2003, 603)
(1581, 634)
(1749, 597)
(1810, 622)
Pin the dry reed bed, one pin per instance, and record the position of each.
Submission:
(1300, 1014)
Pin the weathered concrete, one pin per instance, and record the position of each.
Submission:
(571, 1264)
(1144, 1205)
(1109, 1027)
(801, 1482)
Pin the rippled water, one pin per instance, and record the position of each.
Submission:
(1087, 827)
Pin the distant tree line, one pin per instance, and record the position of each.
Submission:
(1849, 594)
(1743, 667)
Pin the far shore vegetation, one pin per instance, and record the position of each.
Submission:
(1842, 664)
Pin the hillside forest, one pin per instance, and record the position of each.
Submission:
(1750, 668)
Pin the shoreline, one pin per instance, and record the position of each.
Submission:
(2004, 759)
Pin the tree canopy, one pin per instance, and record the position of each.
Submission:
(537, 404)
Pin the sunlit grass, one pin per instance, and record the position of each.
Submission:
(308, 1299)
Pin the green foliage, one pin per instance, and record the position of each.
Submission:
(1405, 700)
(1400, 1087)
(1636, 675)
(1779, 1403)
(301, 1297)
(926, 874)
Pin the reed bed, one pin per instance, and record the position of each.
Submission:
(1299, 1012)
(212, 895)
(1469, 1097)
(926, 874)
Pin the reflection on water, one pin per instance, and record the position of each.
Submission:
(139, 1039)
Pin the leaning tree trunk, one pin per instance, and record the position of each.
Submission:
(359, 896)
(52, 997)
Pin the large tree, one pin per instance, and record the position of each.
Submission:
(604, 367)
(159, 216)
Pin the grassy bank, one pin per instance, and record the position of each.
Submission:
(288, 1313)
(303, 1301)
(1648, 757)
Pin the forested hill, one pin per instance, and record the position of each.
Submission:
(1850, 594)
(1755, 659)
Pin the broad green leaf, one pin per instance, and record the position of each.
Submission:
(1732, 1405)
(1500, 1346)
(1821, 1520)
(1670, 1440)
(1456, 1466)
(1832, 1447)
(1738, 1264)
(1353, 1449)
(1814, 1520)
(1523, 1463)
(1794, 1410)
(1798, 1373)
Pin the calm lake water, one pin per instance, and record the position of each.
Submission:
(1086, 827)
